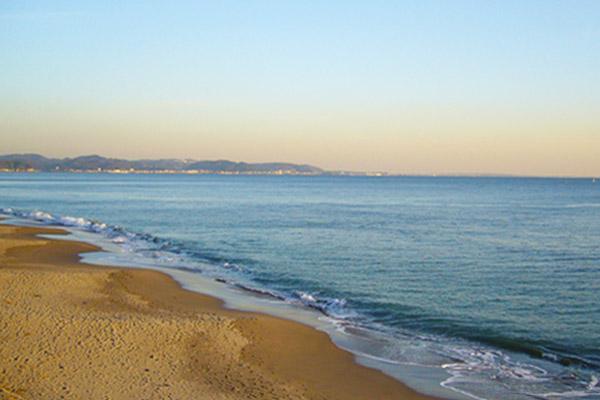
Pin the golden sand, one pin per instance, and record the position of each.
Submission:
(75, 331)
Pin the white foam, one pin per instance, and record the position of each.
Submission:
(306, 297)
(42, 217)
(551, 356)
(568, 395)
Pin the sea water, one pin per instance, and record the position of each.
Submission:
(484, 288)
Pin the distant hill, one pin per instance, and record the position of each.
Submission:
(34, 161)
(23, 162)
(14, 165)
(231, 166)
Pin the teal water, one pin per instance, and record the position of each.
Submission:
(494, 280)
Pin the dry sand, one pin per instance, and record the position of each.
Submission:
(74, 331)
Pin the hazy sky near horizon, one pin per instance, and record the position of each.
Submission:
(406, 87)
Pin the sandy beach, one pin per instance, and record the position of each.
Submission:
(70, 330)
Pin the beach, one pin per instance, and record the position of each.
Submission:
(71, 330)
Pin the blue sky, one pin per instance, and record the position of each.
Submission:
(408, 87)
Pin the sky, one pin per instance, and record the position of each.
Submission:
(420, 87)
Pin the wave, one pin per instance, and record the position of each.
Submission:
(475, 368)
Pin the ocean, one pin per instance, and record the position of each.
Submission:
(484, 288)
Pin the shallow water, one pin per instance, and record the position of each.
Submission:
(493, 281)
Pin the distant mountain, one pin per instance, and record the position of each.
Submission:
(231, 166)
(23, 162)
(220, 166)
(305, 168)
(35, 161)
(14, 165)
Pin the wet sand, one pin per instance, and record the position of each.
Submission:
(74, 331)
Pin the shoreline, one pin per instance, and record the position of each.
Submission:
(107, 332)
